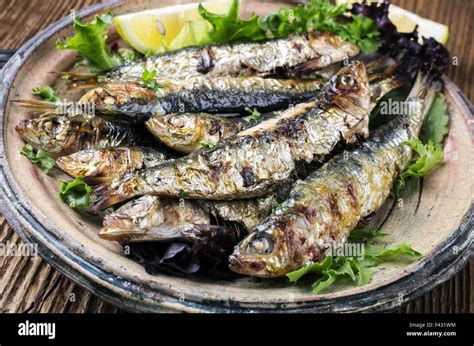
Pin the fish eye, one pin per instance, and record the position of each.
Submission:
(262, 243)
(177, 122)
(85, 156)
(346, 81)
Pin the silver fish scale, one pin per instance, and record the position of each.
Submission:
(240, 59)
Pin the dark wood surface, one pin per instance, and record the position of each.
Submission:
(29, 284)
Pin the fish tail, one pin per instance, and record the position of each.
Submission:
(79, 78)
(42, 106)
(92, 181)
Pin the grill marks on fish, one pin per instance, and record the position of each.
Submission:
(271, 150)
(196, 95)
(241, 59)
(323, 209)
(206, 61)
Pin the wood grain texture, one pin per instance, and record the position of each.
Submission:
(29, 284)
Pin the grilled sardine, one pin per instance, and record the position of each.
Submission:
(323, 209)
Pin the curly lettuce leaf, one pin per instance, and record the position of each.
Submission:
(317, 15)
(358, 269)
(75, 193)
(429, 157)
(40, 158)
(46, 93)
(230, 27)
(89, 41)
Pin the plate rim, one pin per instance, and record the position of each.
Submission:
(18, 212)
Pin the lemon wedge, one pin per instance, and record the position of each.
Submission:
(150, 30)
(405, 21)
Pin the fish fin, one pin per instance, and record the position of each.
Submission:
(79, 78)
(106, 195)
(41, 106)
(98, 180)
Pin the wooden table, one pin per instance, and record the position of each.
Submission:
(29, 284)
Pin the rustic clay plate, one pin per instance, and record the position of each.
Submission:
(435, 217)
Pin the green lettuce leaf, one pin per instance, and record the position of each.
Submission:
(317, 15)
(429, 157)
(230, 27)
(90, 42)
(40, 158)
(75, 193)
(46, 93)
(435, 126)
(358, 269)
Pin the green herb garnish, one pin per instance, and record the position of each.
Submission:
(75, 193)
(40, 158)
(357, 269)
(280, 206)
(254, 115)
(89, 41)
(208, 144)
(46, 93)
(317, 15)
(183, 193)
(149, 81)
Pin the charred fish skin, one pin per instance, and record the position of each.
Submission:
(200, 95)
(59, 135)
(323, 209)
(251, 163)
(110, 162)
(291, 56)
(185, 132)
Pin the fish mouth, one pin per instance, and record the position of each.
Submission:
(248, 266)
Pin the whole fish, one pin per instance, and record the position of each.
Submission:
(150, 218)
(323, 209)
(135, 103)
(110, 161)
(188, 132)
(58, 135)
(252, 162)
(290, 56)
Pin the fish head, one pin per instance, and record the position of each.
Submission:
(351, 81)
(178, 130)
(263, 253)
(52, 133)
(85, 163)
(132, 219)
(349, 95)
